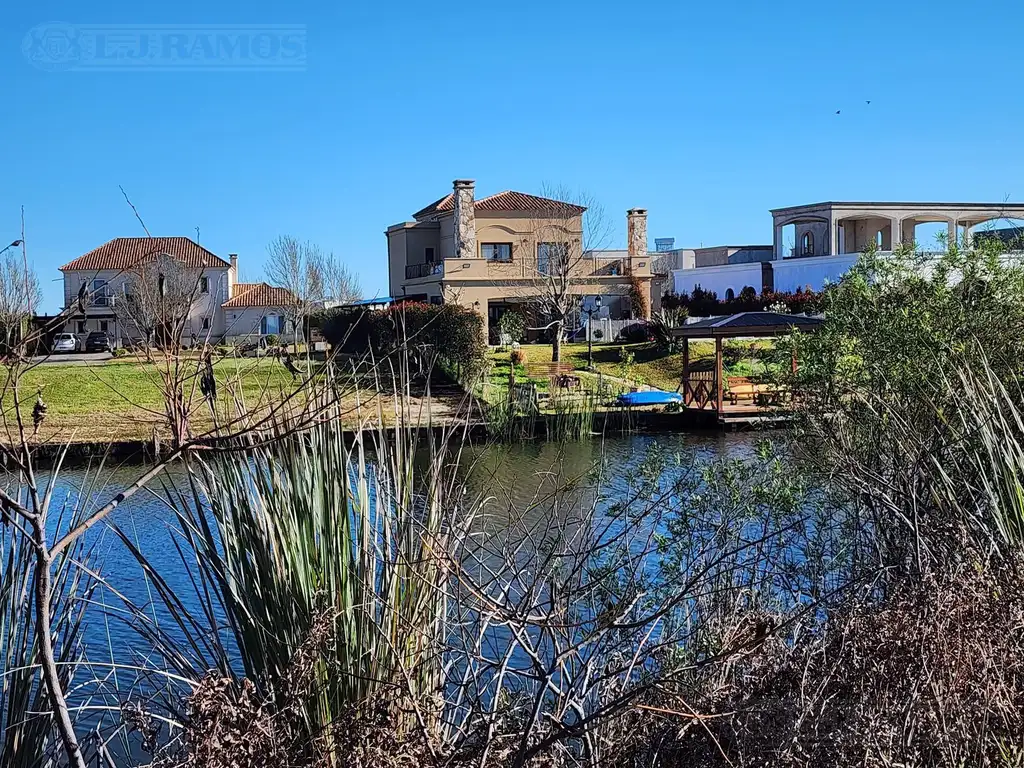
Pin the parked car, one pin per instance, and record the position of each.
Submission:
(98, 341)
(65, 342)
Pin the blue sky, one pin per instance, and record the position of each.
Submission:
(706, 114)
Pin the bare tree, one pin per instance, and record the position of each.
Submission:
(311, 275)
(564, 231)
(337, 281)
(295, 266)
(160, 298)
(20, 294)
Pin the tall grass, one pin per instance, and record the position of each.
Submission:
(307, 540)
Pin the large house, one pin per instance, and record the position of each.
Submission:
(827, 239)
(498, 252)
(219, 308)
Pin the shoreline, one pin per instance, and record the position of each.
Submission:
(621, 422)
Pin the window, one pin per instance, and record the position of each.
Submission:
(428, 255)
(81, 326)
(496, 251)
(551, 257)
(100, 295)
(103, 326)
(807, 244)
(206, 323)
(436, 300)
(204, 285)
(270, 324)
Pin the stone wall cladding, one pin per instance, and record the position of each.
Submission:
(465, 219)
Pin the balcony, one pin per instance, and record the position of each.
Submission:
(414, 271)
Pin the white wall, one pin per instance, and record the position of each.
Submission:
(791, 274)
(243, 324)
(718, 279)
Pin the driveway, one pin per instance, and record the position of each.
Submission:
(73, 358)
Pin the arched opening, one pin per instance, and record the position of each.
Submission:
(807, 244)
(878, 239)
(730, 294)
(1009, 232)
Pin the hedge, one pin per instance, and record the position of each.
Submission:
(455, 333)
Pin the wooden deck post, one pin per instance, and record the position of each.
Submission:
(719, 383)
(686, 371)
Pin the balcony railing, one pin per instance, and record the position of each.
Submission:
(413, 271)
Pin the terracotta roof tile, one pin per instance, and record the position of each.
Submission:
(511, 200)
(446, 203)
(125, 252)
(508, 200)
(258, 295)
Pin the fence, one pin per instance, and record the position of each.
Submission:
(604, 329)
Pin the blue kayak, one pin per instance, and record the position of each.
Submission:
(652, 397)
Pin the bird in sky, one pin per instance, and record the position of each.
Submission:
(838, 111)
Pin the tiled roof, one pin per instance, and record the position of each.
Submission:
(125, 252)
(259, 295)
(508, 200)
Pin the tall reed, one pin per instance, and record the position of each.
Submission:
(312, 535)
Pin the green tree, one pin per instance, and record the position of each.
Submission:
(880, 388)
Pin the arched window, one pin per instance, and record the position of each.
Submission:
(807, 244)
(730, 294)
(878, 239)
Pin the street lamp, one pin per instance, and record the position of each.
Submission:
(15, 244)
(591, 309)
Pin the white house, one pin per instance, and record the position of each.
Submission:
(223, 309)
(258, 309)
(828, 238)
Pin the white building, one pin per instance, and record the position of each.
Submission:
(828, 238)
(222, 309)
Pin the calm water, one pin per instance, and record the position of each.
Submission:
(510, 475)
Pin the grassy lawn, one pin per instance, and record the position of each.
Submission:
(122, 399)
(649, 365)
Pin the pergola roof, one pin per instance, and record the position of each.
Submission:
(747, 324)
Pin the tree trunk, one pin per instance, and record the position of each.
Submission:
(556, 343)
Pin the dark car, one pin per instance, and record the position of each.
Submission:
(97, 341)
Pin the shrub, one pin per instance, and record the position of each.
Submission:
(120, 352)
(638, 298)
(272, 339)
(597, 334)
(635, 333)
(517, 357)
(455, 333)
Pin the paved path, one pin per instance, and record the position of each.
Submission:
(73, 358)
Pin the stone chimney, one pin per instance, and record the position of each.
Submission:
(232, 273)
(636, 235)
(464, 219)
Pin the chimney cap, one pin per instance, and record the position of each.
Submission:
(463, 183)
(637, 212)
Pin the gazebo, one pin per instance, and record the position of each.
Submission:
(703, 389)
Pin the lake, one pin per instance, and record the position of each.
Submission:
(508, 474)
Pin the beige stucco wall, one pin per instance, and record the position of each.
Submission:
(475, 282)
